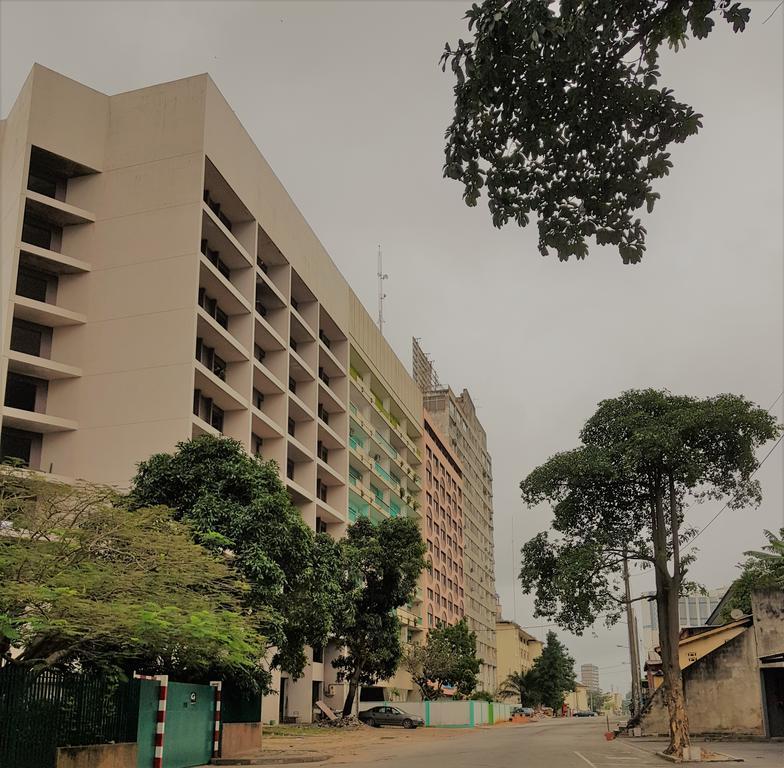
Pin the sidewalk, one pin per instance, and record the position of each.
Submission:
(761, 754)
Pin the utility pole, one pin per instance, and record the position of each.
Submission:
(381, 295)
(633, 649)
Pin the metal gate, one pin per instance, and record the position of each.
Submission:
(190, 725)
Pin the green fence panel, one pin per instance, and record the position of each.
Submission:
(190, 713)
(43, 710)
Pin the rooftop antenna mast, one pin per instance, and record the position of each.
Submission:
(381, 295)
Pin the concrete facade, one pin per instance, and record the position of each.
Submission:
(694, 610)
(516, 650)
(737, 685)
(455, 417)
(589, 675)
(158, 283)
(445, 593)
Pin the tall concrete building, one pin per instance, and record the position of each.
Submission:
(693, 611)
(455, 416)
(589, 676)
(159, 284)
(443, 530)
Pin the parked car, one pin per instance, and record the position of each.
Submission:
(584, 713)
(386, 715)
(527, 711)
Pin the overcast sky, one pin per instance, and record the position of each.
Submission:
(348, 105)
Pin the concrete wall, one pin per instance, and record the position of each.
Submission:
(459, 714)
(238, 738)
(97, 756)
(768, 609)
(722, 692)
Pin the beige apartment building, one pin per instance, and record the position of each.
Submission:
(455, 417)
(158, 283)
(516, 650)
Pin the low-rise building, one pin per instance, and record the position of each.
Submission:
(733, 675)
(516, 650)
(576, 700)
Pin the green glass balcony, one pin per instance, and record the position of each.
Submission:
(386, 445)
(381, 472)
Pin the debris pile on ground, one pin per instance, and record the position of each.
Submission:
(351, 722)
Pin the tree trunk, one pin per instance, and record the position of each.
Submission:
(353, 684)
(667, 595)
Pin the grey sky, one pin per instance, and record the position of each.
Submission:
(346, 102)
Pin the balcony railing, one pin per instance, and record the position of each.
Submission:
(386, 445)
(381, 472)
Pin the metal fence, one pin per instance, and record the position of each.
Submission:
(43, 710)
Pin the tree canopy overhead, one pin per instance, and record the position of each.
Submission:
(623, 494)
(560, 114)
(237, 504)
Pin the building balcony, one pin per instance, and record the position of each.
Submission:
(299, 495)
(32, 421)
(263, 425)
(331, 401)
(329, 362)
(46, 314)
(301, 330)
(267, 275)
(329, 514)
(360, 420)
(299, 370)
(56, 212)
(222, 394)
(224, 240)
(329, 436)
(298, 451)
(41, 367)
(219, 287)
(219, 338)
(409, 618)
(52, 261)
(299, 410)
(328, 475)
(265, 380)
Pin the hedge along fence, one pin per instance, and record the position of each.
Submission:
(458, 714)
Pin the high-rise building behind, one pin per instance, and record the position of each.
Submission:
(589, 676)
(455, 417)
(693, 611)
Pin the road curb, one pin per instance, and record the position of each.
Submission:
(278, 759)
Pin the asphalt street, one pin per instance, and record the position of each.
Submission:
(570, 743)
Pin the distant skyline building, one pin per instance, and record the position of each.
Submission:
(589, 675)
(693, 611)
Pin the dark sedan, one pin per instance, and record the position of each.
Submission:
(386, 715)
(584, 713)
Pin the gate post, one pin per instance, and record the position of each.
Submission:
(160, 722)
(216, 734)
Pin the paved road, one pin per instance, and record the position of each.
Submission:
(574, 743)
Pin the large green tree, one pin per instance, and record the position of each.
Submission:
(553, 673)
(236, 503)
(87, 584)
(761, 570)
(448, 658)
(560, 114)
(382, 564)
(623, 493)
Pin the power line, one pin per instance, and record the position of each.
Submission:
(713, 519)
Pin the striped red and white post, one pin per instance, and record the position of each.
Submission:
(216, 734)
(160, 719)
(160, 723)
